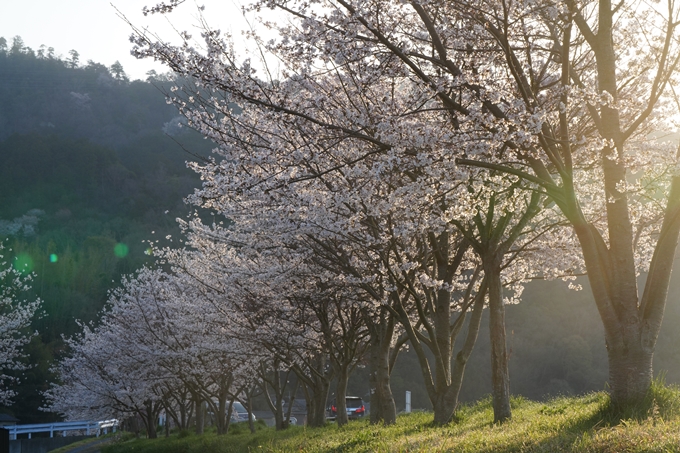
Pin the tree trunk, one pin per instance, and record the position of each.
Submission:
(278, 412)
(445, 410)
(500, 376)
(630, 375)
(223, 410)
(249, 407)
(375, 414)
(313, 415)
(291, 401)
(319, 395)
(630, 331)
(340, 395)
(631, 324)
(278, 383)
(381, 393)
(227, 419)
(221, 413)
(200, 415)
(150, 420)
(151, 433)
(184, 416)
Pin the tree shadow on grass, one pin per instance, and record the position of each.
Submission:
(662, 402)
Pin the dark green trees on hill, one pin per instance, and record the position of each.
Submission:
(88, 172)
(44, 93)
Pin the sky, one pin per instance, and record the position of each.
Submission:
(93, 28)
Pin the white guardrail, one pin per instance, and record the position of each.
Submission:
(89, 427)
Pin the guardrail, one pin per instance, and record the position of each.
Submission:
(89, 427)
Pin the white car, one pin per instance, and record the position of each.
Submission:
(239, 413)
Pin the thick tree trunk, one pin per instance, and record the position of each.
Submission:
(340, 394)
(150, 420)
(151, 432)
(316, 405)
(316, 385)
(381, 332)
(630, 375)
(185, 414)
(445, 407)
(383, 408)
(631, 323)
(630, 331)
(278, 413)
(221, 415)
(200, 415)
(500, 376)
(222, 408)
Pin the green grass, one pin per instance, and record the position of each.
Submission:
(92, 440)
(579, 424)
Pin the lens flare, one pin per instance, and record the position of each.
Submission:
(23, 263)
(121, 250)
(54, 258)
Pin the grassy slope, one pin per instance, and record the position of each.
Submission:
(582, 424)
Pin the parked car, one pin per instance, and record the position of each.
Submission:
(355, 408)
(239, 413)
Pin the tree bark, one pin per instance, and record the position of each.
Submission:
(227, 419)
(221, 416)
(249, 407)
(630, 375)
(316, 406)
(185, 414)
(278, 383)
(340, 395)
(150, 420)
(500, 376)
(278, 412)
(449, 401)
(631, 331)
(200, 414)
(438, 329)
(316, 384)
(291, 401)
(381, 393)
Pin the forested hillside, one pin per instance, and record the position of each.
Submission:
(91, 166)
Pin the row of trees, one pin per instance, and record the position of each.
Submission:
(408, 162)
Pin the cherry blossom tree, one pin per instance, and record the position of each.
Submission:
(595, 83)
(98, 383)
(323, 204)
(16, 314)
(257, 290)
(155, 343)
(560, 94)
